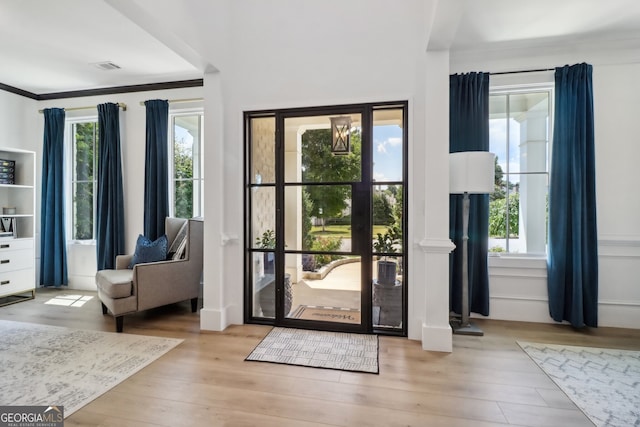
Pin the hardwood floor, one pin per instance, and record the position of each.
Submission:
(486, 381)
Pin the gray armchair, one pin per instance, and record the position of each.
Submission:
(124, 291)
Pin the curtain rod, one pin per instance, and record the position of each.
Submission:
(89, 107)
(178, 101)
(522, 71)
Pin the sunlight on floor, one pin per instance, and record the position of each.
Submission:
(69, 300)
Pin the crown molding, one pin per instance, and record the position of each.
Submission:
(104, 91)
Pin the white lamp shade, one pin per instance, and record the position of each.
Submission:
(471, 172)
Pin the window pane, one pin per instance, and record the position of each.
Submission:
(318, 163)
(386, 292)
(263, 149)
(519, 127)
(533, 214)
(185, 128)
(388, 145)
(387, 218)
(318, 217)
(529, 115)
(84, 149)
(83, 211)
(498, 132)
(186, 168)
(183, 199)
(263, 208)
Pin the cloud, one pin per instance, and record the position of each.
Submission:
(379, 176)
(392, 141)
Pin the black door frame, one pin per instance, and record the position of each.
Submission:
(362, 197)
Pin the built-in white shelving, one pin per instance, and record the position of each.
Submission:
(17, 211)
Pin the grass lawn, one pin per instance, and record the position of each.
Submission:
(343, 230)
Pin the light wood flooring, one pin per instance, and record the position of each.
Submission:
(486, 381)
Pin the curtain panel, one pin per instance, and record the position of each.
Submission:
(156, 172)
(469, 131)
(573, 239)
(110, 194)
(53, 247)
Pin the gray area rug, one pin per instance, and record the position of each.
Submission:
(49, 365)
(319, 349)
(603, 383)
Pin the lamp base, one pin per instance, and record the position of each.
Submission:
(468, 329)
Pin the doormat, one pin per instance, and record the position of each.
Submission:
(52, 365)
(604, 383)
(327, 314)
(319, 349)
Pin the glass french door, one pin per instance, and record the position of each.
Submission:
(325, 218)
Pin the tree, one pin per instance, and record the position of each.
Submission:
(183, 179)
(86, 149)
(307, 207)
(498, 216)
(499, 185)
(382, 210)
(320, 165)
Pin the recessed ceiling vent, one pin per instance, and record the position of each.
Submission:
(107, 65)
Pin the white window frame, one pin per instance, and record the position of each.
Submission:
(527, 84)
(69, 165)
(198, 209)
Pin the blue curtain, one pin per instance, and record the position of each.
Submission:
(573, 239)
(156, 173)
(53, 250)
(469, 131)
(110, 203)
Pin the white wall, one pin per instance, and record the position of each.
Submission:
(518, 287)
(82, 258)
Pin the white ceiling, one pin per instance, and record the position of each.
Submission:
(50, 46)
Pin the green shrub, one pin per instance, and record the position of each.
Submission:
(326, 244)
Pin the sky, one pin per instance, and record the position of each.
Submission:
(387, 153)
(498, 144)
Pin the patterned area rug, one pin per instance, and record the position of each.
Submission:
(49, 365)
(327, 314)
(319, 349)
(603, 383)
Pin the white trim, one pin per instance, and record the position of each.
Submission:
(435, 338)
(436, 246)
(510, 297)
(620, 303)
(69, 166)
(214, 319)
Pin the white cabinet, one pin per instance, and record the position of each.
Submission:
(17, 213)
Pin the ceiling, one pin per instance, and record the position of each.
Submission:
(53, 46)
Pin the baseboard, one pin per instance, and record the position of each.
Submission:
(213, 320)
(437, 338)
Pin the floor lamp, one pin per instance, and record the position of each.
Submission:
(470, 172)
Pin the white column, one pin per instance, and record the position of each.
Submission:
(533, 158)
(293, 200)
(213, 315)
(432, 261)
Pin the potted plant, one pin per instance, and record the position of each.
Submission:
(267, 292)
(387, 267)
(267, 241)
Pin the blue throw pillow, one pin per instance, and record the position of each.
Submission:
(148, 251)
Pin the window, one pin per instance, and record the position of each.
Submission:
(186, 167)
(519, 123)
(82, 136)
